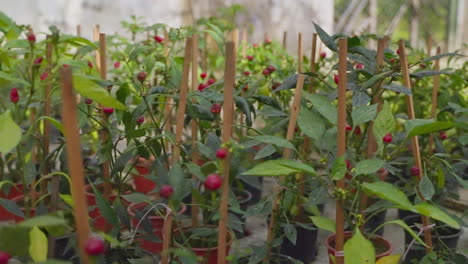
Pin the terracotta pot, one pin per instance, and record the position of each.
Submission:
(15, 191)
(157, 223)
(5, 215)
(375, 240)
(209, 255)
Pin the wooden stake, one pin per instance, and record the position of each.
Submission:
(341, 147)
(228, 119)
(299, 53)
(313, 55)
(371, 142)
(235, 38)
(286, 155)
(194, 127)
(96, 34)
(429, 46)
(168, 115)
(414, 140)
(167, 228)
(285, 39)
(78, 30)
(204, 55)
(72, 138)
(104, 132)
(435, 93)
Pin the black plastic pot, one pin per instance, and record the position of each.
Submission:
(244, 203)
(255, 191)
(375, 221)
(305, 249)
(65, 249)
(443, 237)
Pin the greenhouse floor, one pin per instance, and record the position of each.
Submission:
(257, 227)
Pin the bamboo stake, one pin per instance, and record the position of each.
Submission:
(72, 137)
(78, 30)
(34, 158)
(286, 155)
(96, 37)
(168, 115)
(244, 42)
(285, 39)
(414, 140)
(167, 227)
(228, 116)
(435, 93)
(299, 53)
(194, 127)
(341, 147)
(104, 133)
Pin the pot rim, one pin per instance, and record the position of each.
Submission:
(348, 234)
(228, 244)
(244, 191)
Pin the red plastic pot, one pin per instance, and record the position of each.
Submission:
(210, 255)
(143, 184)
(347, 235)
(15, 191)
(157, 223)
(5, 215)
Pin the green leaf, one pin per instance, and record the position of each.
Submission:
(90, 89)
(11, 79)
(176, 176)
(53, 261)
(43, 221)
(10, 133)
(439, 56)
(37, 244)
(363, 114)
(267, 100)
(105, 209)
(388, 192)
(361, 98)
(323, 106)
(136, 198)
(289, 83)
(407, 228)
(368, 166)
(373, 80)
(243, 105)
(392, 259)
(384, 123)
(436, 213)
(11, 207)
(431, 126)
(426, 188)
(277, 141)
(339, 168)
(326, 39)
(422, 74)
(280, 167)
(398, 88)
(359, 250)
(324, 223)
(265, 152)
(291, 233)
(57, 124)
(311, 123)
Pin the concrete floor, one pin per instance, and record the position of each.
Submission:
(393, 233)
